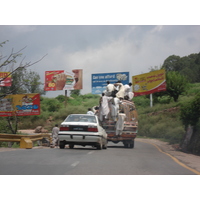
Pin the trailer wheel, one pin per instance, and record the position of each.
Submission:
(125, 144)
(132, 144)
(71, 146)
(129, 144)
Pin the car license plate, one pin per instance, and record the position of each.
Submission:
(78, 128)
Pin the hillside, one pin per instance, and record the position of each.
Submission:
(162, 121)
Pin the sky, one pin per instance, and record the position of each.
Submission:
(100, 46)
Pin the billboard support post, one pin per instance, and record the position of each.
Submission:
(65, 98)
(151, 100)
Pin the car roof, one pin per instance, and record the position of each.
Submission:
(82, 114)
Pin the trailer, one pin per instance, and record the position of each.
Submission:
(127, 128)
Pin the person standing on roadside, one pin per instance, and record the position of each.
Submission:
(55, 131)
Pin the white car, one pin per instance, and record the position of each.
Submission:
(82, 129)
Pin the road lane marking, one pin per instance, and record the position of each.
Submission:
(90, 152)
(75, 164)
(175, 159)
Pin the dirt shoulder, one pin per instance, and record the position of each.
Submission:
(190, 160)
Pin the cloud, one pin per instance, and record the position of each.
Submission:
(101, 49)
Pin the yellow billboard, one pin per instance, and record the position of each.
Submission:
(20, 105)
(149, 83)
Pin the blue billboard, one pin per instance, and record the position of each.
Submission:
(99, 80)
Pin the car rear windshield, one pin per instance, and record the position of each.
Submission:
(81, 118)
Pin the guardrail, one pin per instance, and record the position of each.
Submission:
(26, 141)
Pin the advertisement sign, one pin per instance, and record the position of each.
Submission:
(7, 80)
(63, 80)
(149, 83)
(99, 80)
(20, 105)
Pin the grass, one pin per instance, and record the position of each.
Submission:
(159, 121)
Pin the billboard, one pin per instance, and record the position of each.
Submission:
(63, 80)
(7, 80)
(20, 105)
(99, 80)
(149, 83)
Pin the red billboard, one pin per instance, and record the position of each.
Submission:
(5, 79)
(63, 80)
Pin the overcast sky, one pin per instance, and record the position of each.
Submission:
(99, 48)
(100, 45)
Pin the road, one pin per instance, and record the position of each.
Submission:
(144, 159)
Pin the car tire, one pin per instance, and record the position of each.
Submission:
(105, 145)
(99, 146)
(62, 145)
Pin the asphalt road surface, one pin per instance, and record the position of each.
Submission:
(144, 159)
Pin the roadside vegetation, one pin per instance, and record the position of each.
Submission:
(162, 121)
(174, 116)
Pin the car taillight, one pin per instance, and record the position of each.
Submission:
(92, 129)
(64, 128)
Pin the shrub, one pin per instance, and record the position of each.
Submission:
(3, 125)
(141, 101)
(163, 125)
(61, 98)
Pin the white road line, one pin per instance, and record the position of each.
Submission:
(75, 164)
(90, 152)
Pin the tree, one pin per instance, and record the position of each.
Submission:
(189, 66)
(9, 64)
(172, 63)
(176, 84)
(190, 114)
(32, 82)
(20, 84)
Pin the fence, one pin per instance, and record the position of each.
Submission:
(26, 141)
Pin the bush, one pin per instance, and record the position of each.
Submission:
(190, 111)
(175, 134)
(141, 101)
(51, 104)
(161, 125)
(3, 125)
(61, 98)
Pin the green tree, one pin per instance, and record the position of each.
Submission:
(176, 84)
(17, 70)
(172, 63)
(190, 114)
(32, 82)
(189, 66)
